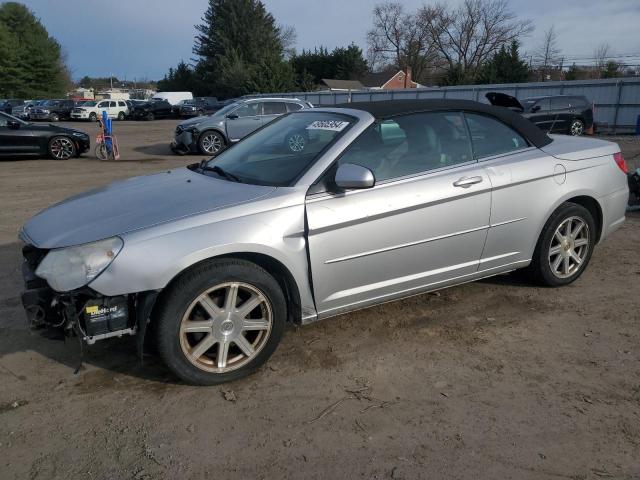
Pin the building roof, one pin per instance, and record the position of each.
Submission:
(392, 108)
(342, 84)
(377, 79)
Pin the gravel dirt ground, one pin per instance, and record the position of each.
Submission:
(495, 379)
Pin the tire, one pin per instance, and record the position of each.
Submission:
(102, 152)
(93, 117)
(543, 268)
(576, 128)
(54, 117)
(121, 116)
(200, 113)
(195, 356)
(211, 142)
(62, 148)
(151, 116)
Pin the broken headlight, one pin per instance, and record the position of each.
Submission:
(69, 268)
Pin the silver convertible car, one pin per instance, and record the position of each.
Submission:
(372, 203)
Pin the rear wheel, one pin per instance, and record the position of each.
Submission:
(220, 321)
(151, 116)
(577, 127)
(61, 148)
(93, 117)
(121, 116)
(564, 247)
(54, 117)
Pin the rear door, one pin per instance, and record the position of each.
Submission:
(560, 114)
(521, 178)
(421, 226)
(244, 120)
(272, 110)
(103, 106)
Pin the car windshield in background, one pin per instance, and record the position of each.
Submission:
(89, 104)
(278, 153)
(51, 103)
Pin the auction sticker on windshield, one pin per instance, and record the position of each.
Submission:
(331, 125)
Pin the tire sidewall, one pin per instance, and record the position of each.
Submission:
(574, 121)
(181, 294)
(151, 116)
(55, 117)
(211, 132)
(121, 116)
(93, 117)
(542, 251)
(75, 150)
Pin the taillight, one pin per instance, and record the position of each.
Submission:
(619, 159)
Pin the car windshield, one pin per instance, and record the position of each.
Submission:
(224, 110)
(280, 152)
(51, 103)
(89, 104)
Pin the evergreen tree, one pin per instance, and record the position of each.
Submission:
(506, 66)
(180, 79)
(239, 49)
(341, 64)
(31, 62)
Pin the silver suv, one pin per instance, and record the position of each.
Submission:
(210, 135)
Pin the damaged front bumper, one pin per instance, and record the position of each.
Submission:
(184, 142)
(82, 312)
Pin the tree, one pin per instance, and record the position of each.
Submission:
(506, 66)
(548, 53)
(601, 54)
(468, 36)
(400, 39)
(574, 73)
(31, 62)
(237, 44)
(343, 63)
(180, 79)
(611, 70)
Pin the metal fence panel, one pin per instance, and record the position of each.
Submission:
(616, 101)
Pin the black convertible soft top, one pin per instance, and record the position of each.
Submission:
(391, 108)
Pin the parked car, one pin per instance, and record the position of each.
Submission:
(8, 105)
(175, 109)
(53, 110)
(19, 139)
(22, 111)
(199, 106)
(210, 135)
(152, 109)
(172, 97)
(572, 114)
(131, 104)
(380, 201)
(91, 110)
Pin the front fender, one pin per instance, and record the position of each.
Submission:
(151, 258)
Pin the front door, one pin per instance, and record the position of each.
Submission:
(421, 226)
(244, 120)
(14, 141)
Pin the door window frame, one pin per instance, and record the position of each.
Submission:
(317, 189)
(495, 155)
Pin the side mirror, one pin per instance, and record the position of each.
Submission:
(351, 176)
(12, 124)
(535, 108)
(232, 116)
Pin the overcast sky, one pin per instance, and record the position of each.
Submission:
(143, 38)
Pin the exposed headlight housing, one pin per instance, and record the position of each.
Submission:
(44, 110)
(69, 268)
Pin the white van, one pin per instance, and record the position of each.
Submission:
(173, 97)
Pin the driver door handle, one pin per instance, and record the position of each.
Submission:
(466, 182)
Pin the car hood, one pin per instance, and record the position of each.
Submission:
(134, 204)
(503, 100)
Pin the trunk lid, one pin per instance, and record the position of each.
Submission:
(503, 100)
(565, 147)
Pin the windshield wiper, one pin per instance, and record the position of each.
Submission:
(219, 170)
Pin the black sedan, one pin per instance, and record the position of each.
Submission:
(21, 139)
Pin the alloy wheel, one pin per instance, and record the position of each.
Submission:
(62, 148)
(211, 143)
(226, 327)
(577, 128)
(297, 142)
(569, 247)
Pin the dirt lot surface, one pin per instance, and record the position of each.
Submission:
(495, 379)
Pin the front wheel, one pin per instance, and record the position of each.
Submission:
(151, 116)
(220, 321)
(577, 127)
(211, 143)
(55, 117)
(93, 117)
(62, 148)
(564, 247)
